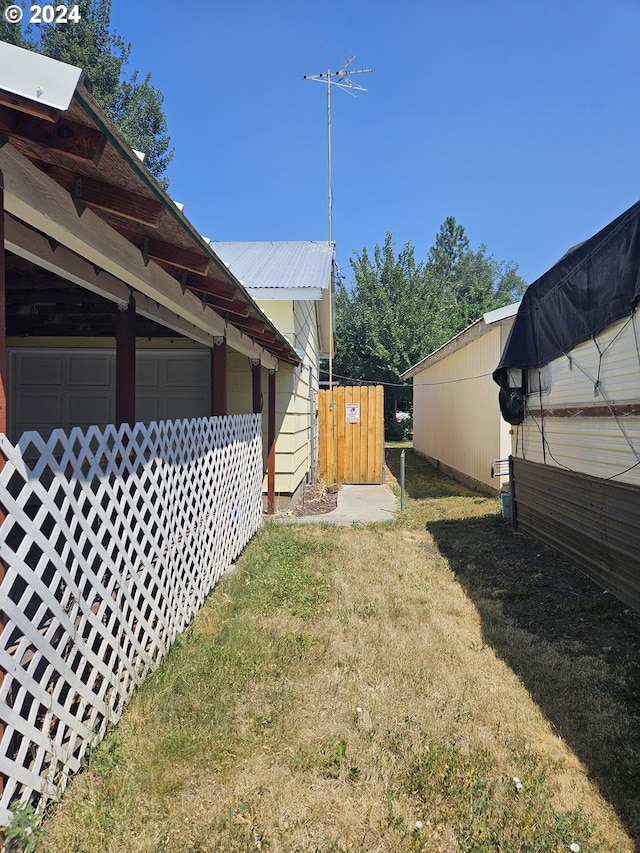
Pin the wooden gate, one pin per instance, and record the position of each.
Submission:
(351, 437)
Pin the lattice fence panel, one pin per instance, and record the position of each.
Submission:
(111, 542)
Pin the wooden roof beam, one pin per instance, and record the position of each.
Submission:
(175, 256)
(255, 326)
(29, 106)
(210, 286)
(110, 199)
(76, 141)
(233, 307)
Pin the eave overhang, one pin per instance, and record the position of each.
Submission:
(74, 159)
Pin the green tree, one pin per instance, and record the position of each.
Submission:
(398, 310)
(138, 114)
(133, 104)
(380, 322)
(89, 44)
(470, 283)
(451, 245)
(12, 33)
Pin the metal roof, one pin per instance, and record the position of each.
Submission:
(36, 77)
(297, 265)
(471, 332)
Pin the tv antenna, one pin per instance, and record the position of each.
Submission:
(341, 79)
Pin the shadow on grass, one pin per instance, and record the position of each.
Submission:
(422, 480)
(575, 647)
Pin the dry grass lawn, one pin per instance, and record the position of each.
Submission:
(411, 686)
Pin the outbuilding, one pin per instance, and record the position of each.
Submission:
(569, 380)
(456, 425)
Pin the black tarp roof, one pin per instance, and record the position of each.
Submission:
(592, 286)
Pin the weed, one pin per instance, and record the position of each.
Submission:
(326, 757)
(464, 790)
(23, 834)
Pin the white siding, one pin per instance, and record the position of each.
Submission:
(599, 446)
(573, 377)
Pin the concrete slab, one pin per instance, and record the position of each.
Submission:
(359, 504)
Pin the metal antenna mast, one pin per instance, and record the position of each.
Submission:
(341, 79)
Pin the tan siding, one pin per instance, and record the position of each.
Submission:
(573, 380)
(456, 415)
(598, 446)
(293, 445)
(239, 387)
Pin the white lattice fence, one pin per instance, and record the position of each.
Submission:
(112, 540)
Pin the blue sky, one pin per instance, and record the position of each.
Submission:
(522, 120)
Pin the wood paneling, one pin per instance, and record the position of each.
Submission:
(351, 434)
(591, 520)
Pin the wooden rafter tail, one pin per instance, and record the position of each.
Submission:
(77, 141)
(27, 105)
(176, 256)
(109, 199)
(233, 307)
(212, 286)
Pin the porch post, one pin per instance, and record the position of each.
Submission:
(3, 329)
(125, 327)
(3, 403)
(219, 377)
(271, 445)
(256, 385)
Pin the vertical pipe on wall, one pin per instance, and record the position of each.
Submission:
(219, 377)
(312, 429)
(271, 444)
(125, 329)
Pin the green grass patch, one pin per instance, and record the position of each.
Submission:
(379, 688)
(462, 790)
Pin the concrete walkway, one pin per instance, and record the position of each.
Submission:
(359, 504)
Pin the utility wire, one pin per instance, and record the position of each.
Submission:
(414, 384)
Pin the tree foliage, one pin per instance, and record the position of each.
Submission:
(399, 310)
(132, 102)
(138, 115)
(12, 33)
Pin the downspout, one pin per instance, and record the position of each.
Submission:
(312, 427)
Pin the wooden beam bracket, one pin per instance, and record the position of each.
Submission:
(76, 195)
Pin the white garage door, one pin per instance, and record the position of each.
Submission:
(54, 388)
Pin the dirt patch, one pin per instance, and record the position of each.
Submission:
(316, 500)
